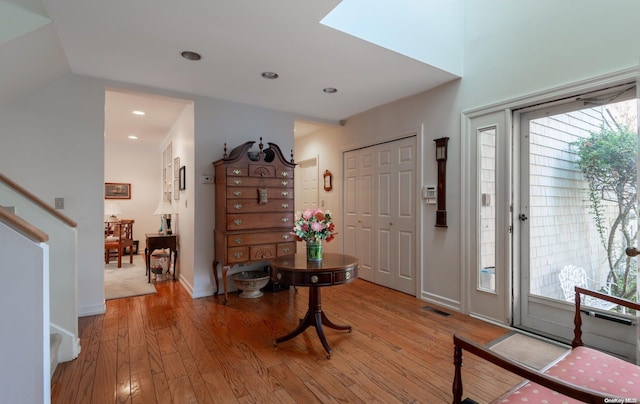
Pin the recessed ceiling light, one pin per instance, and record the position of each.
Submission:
(330, 90)
(189, 55)
(134, 137)
(140, 113)
(270, 75)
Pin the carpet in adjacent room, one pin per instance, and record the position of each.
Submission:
(128, 281)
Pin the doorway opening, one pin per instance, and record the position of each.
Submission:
(137, 129)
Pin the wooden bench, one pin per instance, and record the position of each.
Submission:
(584, 374)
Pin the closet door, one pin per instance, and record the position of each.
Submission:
(358, 200)
(380, 184)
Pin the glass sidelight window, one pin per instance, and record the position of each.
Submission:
(486, 276)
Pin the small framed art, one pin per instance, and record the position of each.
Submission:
(183, 178)
(117, 190)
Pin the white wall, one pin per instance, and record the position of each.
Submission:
(54, 147)
(137, 164)
(181, 137)
(513, 48)
(218, 122)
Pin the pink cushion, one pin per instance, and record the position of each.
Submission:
(589, 368)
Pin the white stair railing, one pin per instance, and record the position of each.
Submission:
(24, 309)
(62, 244)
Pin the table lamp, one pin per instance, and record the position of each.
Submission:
(112, 209)
(165, 210)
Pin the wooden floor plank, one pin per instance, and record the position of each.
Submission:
(123, 370)
(106, 370)
(170, 348)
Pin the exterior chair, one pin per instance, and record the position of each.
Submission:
(572, 276)
(118, 236)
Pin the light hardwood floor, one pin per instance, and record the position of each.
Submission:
(169, 348)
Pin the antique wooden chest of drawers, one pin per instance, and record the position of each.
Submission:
(254, 207)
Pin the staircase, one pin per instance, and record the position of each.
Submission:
(42, 243)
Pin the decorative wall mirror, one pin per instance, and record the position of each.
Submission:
(328, 180)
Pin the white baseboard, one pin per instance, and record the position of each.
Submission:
(441, 301)
(92, 310)
(69, 346)
(195, 294)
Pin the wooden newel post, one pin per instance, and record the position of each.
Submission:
(441, 158)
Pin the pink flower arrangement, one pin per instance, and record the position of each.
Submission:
(314, 225)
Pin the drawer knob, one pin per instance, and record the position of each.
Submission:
(238, 240)
(285, 219)
(279, 276)
(237, 222)
(314, 279)
(238, 206)
(286, 249)
(347, 275)
(237, 193)
(237, 171)
(285, 193)
(238, 254)
(284, 183)
(237, 182)
(285, 205)
(285, 174)
(285, 237)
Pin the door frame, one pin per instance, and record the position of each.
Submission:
(469, 203)
(492, 306)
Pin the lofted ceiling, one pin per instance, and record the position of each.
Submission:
(141, 42)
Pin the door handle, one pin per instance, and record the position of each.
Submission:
(632, 251)
(522, 217)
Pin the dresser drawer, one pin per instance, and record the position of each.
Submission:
(286, 249)
(233, 181)
(252, 192)
(238, 254)
(242, 239)
(262, 251)
(262, 170)
(252, 205)
(259, 220)
(237, 171)
(283, 173)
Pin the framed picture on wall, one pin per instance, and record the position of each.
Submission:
(183, 178)
(117, 190)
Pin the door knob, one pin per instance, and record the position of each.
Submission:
(632, 251)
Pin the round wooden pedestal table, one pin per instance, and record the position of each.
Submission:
(295, 270)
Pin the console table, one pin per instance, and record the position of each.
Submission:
(334, 269)
(159, 241)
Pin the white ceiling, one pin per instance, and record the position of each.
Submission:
(140, 42)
